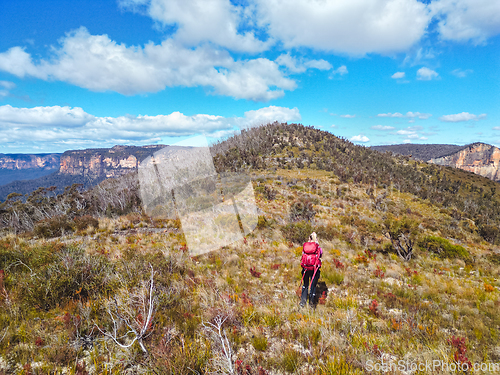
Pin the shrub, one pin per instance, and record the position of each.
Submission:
(262, 222)
(71, 274)
(53, 227)
(270, 193)
(84, 222)
(402, 233)
(332, 276)
(494, 258)
(489, 232)
(302, 209)
(443, 248)
(291, 360)
(259, 342)
(327, 232)
(297, 232)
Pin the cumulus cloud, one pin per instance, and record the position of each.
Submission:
(467, 20)
(360, 138)
(426, 74)
(411, 115)
(53, 116)
(345, 26)
(398, 75)
(97, 63)
(295, 65)
(411, 133)
(348, 116)
(198, 21)
(382, 127)
(49, 126)
(269, 114)
(461, 117)
(341, 70)
(396, 114)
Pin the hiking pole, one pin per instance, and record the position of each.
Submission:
(315, 269)
(314, 274)
(303, 274)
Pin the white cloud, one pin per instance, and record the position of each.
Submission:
(426, 74)
(461, 73)
(360, 138)
(421, 116)
(341, 70)
(411, 133)
(53, 116)
(467, 20)
(198, 21)
(295, 65)
(48, 127)
(396, 114)
(382, 127)
(97, 63)
(406, 132)
(398, 75)
(345, 26)
(460, 117)
(348, 116)
(411, 115)
(270, 114)
(333, 126)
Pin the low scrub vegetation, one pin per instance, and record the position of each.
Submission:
(119, 293)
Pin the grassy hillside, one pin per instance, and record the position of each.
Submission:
(63, 297)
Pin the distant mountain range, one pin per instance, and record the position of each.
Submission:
(479, 158)
(15, 167)
(424, 152)
(24, 173)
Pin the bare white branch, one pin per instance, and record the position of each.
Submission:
(135, 313)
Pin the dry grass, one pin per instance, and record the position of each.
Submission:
(420, 304)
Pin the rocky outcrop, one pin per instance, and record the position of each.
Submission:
(104, 163)
(479, 158)
(29, 161)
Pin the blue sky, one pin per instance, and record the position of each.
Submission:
(97, 73)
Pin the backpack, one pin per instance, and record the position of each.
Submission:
(310, 256)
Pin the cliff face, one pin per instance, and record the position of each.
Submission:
(104, 163)
(24, 161)
(479, 158)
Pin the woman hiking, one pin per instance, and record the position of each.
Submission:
(311, 263)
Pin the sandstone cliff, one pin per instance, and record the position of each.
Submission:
(26, 161)
(16, 167)
(104, 163)
(479, 158)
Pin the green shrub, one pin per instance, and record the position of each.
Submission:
(84, 222)
(489, 232)
(327, 233)
(332, 276)
(262, 222)
(302, 209)
(71, 274)
(443, 248)
(494, 258)
(291, 360)
(259, 342)
(53, 227)
(297, 232)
